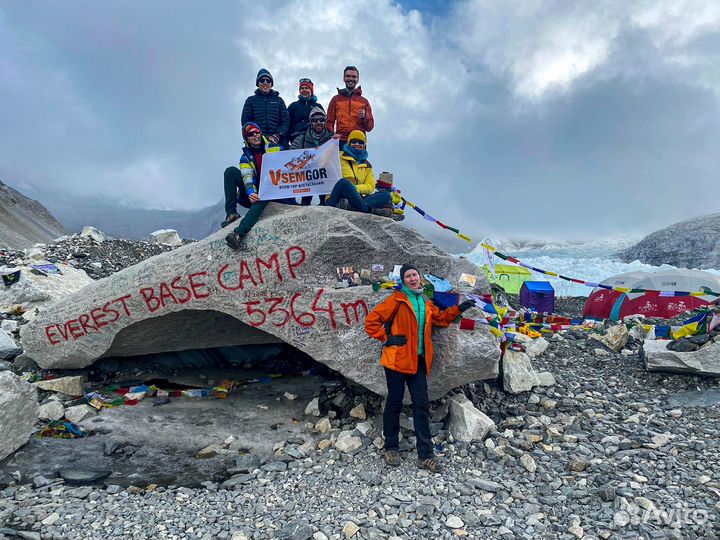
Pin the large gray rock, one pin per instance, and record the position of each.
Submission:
(616, 337)
(279, 287)
(518, 373)
(468, 423)
(8, 347)
(18, 412)
(658, 357)
(168, 237)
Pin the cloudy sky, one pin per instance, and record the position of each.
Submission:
(531, 118)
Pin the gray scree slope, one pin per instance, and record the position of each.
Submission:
(278, 288)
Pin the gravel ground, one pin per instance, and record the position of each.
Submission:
(610, 451)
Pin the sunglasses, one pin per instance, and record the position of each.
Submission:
(252, 134)
(318, 120)
(264, 80)
(357, 141)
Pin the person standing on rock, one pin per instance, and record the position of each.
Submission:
(300, 110)
(349, 110)
(315, 135)
(267, 109)
(403, 323)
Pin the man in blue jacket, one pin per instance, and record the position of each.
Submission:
(267, 109)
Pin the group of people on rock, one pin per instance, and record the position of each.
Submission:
(269, 126)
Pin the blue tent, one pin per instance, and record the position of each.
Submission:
(538, 295)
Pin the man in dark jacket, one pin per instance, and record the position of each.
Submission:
(299, 110)
(314, 136)
(267, 109)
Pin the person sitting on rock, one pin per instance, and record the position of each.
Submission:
(243, 185)
(356, 189)
(403, 322)
(300, 110)
(314, 136)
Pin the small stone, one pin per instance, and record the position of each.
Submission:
(454, 522)
(644, 503)
(208, 452)
(72, 386)
(78, 413)
(348, 444)
(323, 444)
(289, 396)
(51, 519)
(350, 529)
(661, 439)
(323, 425)
(239, 535)
(52, 410)
(358, 412)
(675, 413)
(577, 531)
(578, 464)
(313, 408)
(528, 462)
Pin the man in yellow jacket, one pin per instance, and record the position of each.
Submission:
(356, 189)
(403, 322)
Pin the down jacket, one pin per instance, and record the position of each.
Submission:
(360, 174)
(342, 113)
(268, 111)
(397, 308)
(299, 112)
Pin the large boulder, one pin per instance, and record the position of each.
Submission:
(37, 291)
(279, 287)
(467, 423)
(658, 357)
(168, 237)
(18, 412)
(8, 347)
(518, 372)
(615, 338)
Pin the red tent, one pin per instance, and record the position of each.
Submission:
(609, 304)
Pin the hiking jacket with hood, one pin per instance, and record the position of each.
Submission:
(299, 112)
(248, 166)
(307, 140)
(268, 111)
(360, 174)
(398, 309)
(342, 113)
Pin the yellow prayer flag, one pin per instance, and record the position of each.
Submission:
(549, 273)
(621, 289)
(466, 238)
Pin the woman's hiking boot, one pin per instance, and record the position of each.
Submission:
(342, 204)
(384, 212)
(229, 219)
(392, 458)
(234, 240)
(430, 464)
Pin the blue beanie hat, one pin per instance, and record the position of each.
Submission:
(263, 73)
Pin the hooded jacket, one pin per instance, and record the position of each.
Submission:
(249, 169)
(307, 140)
(299, 112)
(398, 309)
(360, 174)
(342, 113)
(268, 111)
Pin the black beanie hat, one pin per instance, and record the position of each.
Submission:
(404, 268)
(263, 73)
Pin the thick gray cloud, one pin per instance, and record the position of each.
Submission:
(508, 118)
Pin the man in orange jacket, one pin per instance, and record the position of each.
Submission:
(349, 110)
(403, 322)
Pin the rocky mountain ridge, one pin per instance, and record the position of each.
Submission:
(24, 221)
(694, 243)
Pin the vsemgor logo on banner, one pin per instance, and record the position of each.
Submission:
(292, 173)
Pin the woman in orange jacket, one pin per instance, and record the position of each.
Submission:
(403, 322)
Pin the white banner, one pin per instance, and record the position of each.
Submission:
(295, 173)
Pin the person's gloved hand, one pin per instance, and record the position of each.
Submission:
(467, 304)
(398, 339)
